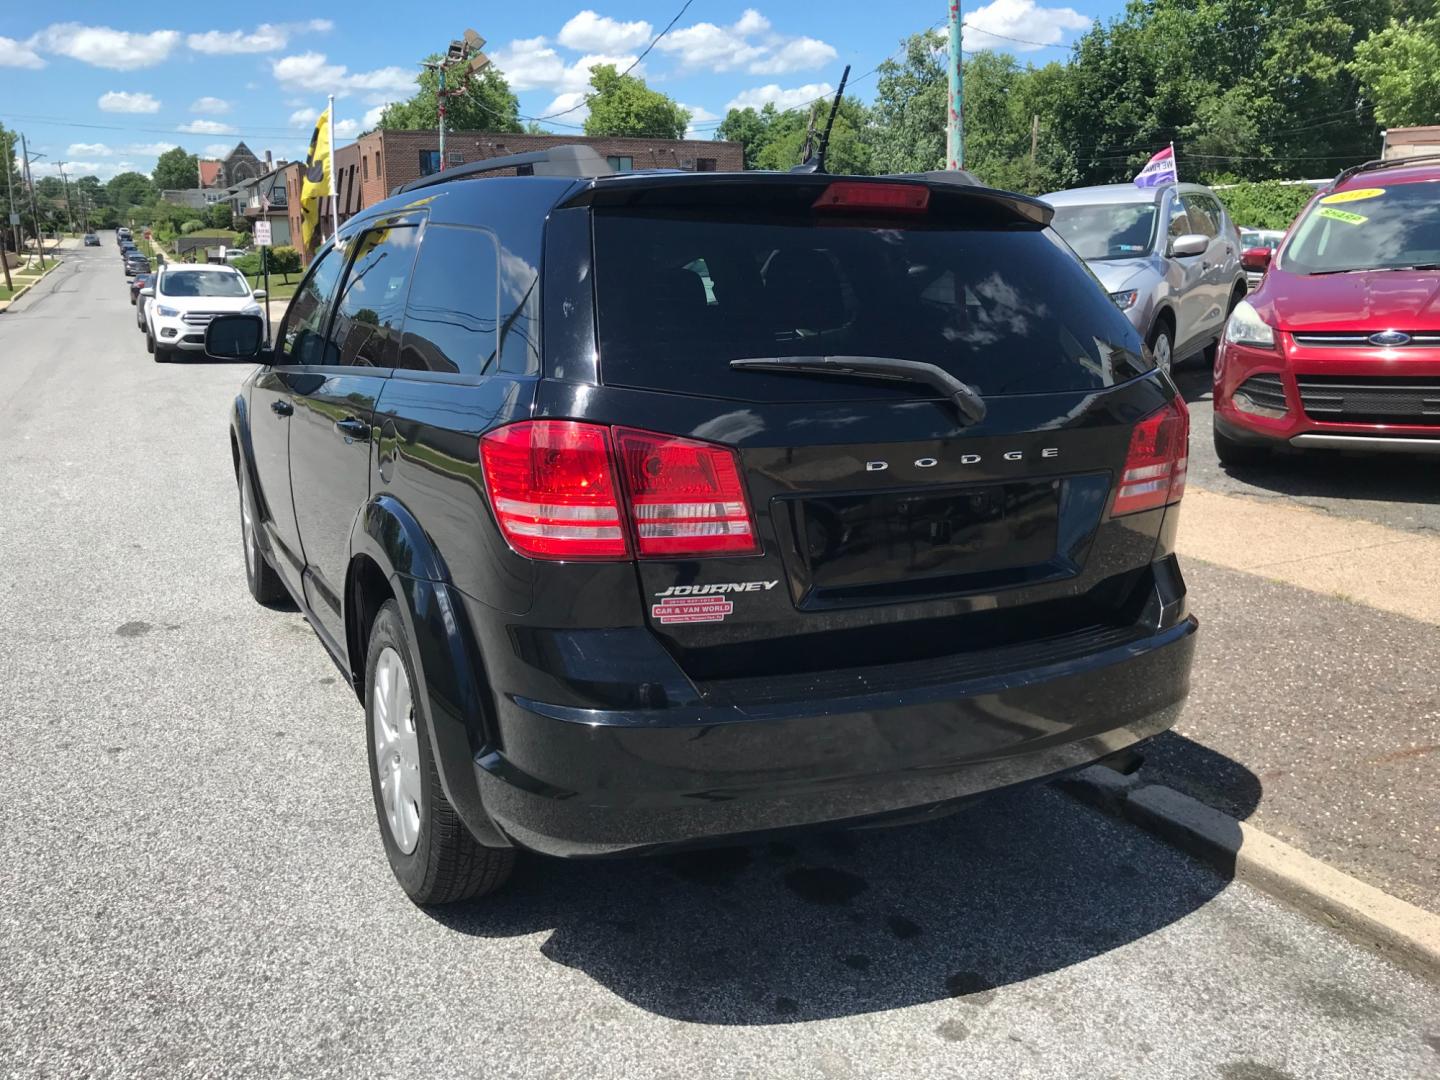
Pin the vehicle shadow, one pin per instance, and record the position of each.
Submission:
(1194, 380)
(1202, 773)
(1332, 474)
(1021, 884)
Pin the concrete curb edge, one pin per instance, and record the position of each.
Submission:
(1401, 932)
(18, 294)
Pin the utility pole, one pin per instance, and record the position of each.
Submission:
(464, 51)
(34, 212)
(809, 135)
(955, 125)
(69, 208)
(440, 103)
(10, 221)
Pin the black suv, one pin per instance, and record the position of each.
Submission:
(646, 510)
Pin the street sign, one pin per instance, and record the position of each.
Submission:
(14, 219)
(262, 234)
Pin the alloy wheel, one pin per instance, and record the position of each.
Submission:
(397, 749)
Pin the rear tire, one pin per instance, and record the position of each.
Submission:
(1238, 455)
(150, 343)
(433, 855)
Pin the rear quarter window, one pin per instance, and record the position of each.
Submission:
(1007, 310)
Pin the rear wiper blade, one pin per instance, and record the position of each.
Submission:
(968, 403)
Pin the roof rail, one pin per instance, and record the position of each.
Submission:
(571, 159)
(1383, 163)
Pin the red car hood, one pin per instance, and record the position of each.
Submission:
(1375, 300)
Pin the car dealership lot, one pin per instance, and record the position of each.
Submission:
(192, 884)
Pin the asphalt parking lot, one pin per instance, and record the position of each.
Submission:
(192, 884)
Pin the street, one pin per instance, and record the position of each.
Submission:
(193, 885)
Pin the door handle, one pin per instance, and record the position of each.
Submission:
(281, 407)
(353, 428)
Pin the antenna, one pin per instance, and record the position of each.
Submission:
(816, 164)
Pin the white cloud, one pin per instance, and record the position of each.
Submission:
(589, 32)
(123, 101)
(74, 170)
(206, 127)
(782, 99)
(304, 117)
(530, 63)
(88, 149)
(347, 129)
(716, 48)
(14, 54)
(311, 71)
(104, 47)
(154, 149)
(210, 105)
(698, 115)
(1020, 19)
(217, 151)
(565, 102)
(373, 116)
(267, 37)
(798, 54)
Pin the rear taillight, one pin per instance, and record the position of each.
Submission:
(1155, 466)
(552, 488)
(685, 497)
(557, 486)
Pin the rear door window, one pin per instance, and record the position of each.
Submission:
(450, 324)
(371, 305)
(1008, 311)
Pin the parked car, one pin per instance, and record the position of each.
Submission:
(1256, 247)
(182, 300)
(123, 233)
(870, 506)
(1339, 348)
(138, 282)
(1169, 257)
(136, 264)
(232, 254)
(91, 240)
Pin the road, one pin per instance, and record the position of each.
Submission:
(192, 883)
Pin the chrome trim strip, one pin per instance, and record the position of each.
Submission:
(1399, 444)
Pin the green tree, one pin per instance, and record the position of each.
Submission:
(129, 189)
(484, 103)
(849, 150)
(1265, 204)
(909, 110)
(750, 129)
(175, 170)
(1399, 67)
(624, 105)
(219, 215)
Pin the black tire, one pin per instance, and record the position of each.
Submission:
(447, 864)
(1159, 330)
(1238, 455)
(150, 343)
(265, 584)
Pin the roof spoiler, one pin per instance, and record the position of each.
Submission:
(572, 160)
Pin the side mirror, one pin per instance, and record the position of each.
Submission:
(1256, 258)
(1189, 245)
(148, 290)
(235, 337)
(259, 294)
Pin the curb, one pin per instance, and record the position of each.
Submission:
(18, 294)
(1400, 932)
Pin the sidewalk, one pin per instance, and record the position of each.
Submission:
(1314, 711)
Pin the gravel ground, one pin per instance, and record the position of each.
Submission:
(192, 884)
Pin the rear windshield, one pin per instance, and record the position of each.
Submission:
(1009, 311)
(1369, 228)
(1107, 230)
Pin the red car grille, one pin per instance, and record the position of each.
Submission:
(1379, 399)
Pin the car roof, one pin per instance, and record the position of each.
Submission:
(1390, 175)
(1117, 193)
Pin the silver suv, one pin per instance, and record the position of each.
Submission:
(1169, 257)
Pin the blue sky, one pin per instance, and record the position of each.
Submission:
(108, 87)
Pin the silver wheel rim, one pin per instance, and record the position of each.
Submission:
(1162, 352)
(397, 749)
(247, 530)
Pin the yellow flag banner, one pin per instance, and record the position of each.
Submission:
(316, 184)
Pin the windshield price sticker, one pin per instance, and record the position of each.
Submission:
(1342, 215)
(1352, 196)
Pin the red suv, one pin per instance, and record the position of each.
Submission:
(1339, 347)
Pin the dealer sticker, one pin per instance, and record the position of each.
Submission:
(691, 609)
(1342, 215)
(1353, 196)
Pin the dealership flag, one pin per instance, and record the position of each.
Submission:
(1160, 169)
(316, 184)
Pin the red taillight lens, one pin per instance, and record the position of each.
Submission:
(860, 196)
(553, 489)
(1159, 456)
(556, 494)
(685, 497)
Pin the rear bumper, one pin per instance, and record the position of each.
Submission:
(586, 782)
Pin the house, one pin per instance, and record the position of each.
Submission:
(1406, 142)
(240, 164)
(210, 174)
(267, 198)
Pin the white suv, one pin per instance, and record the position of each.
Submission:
(182, 300)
